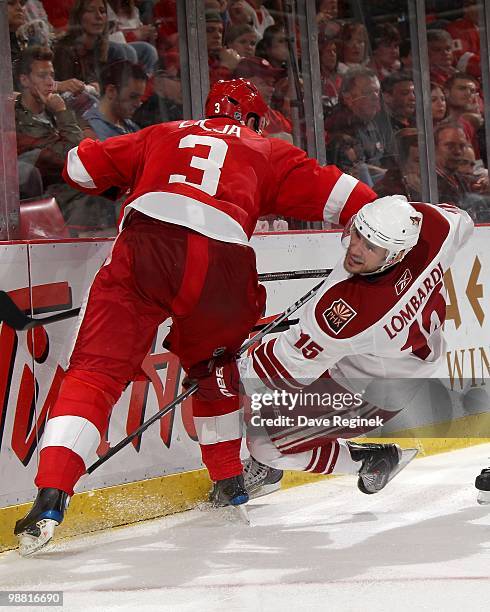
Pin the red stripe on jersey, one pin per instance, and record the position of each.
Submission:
(314, 454)
(195, 272)
(269, 350)
(323, 459)
(276, 380)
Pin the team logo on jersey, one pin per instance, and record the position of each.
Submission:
(403, 282)
(338, 314)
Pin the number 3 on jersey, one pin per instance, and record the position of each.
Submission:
(210, 165)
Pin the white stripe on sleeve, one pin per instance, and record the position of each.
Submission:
(338, 197)
(77, 171)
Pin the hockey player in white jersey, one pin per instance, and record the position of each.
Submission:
(378, 318)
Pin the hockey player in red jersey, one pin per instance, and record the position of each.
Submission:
(378, 317)
(195, 190)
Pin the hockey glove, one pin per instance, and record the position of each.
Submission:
(217, 379)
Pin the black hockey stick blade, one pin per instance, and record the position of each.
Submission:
(15, 318)
(280, 327)
(11, 314)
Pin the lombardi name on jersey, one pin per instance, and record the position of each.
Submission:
(413, 304)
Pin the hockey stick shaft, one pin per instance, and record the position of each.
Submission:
(14, 317)
(192, 388)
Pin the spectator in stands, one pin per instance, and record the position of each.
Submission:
(241, 38)
(222, 61)
(36, 29)
(274, 46)
(450, 144)
(399, 100)
(165, 104)
(353, 47)
(438, 101)
(260, 72)
(358, 106)
(475, 175)
(262, 19)
(330, 78)
(347, 150)
(241, 13)
(46, 131)
(16, 16)
(398, 111)
(474, 171)
(165, 21)
(129, 29)
(85, 49)
(123, 86)
(404, 177)
(327, 13)
(465, 33)
(385, 50)
(440, 51)
(461, 91)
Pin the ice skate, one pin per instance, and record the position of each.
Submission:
(36, 529)
(260, 479)
(231, 492)
(381, 463)
(482, 483)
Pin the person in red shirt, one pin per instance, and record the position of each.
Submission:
(465, 33)
(195, 190)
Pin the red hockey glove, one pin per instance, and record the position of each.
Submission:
(217, 379)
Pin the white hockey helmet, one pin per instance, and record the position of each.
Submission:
(390, 223)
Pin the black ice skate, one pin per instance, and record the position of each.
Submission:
(380, 463)
(260, 479)
(229, 492)
(36, 529)
(482, 483)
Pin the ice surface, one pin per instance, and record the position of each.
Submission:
(421, 544)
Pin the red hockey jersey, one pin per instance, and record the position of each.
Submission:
(214, 176)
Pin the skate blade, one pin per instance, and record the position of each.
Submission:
(483, 497)
(241, 513)
(408, 454)
(265, 490)
(29, 544)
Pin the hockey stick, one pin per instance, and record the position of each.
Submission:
(15, 318)
(192, 388)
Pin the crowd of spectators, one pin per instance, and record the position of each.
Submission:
(370, 101)
(100, 68)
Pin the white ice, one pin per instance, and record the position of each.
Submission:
(421, 544)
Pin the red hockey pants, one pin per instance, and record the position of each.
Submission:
(156, 270)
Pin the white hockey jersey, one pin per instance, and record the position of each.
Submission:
(376, 327)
